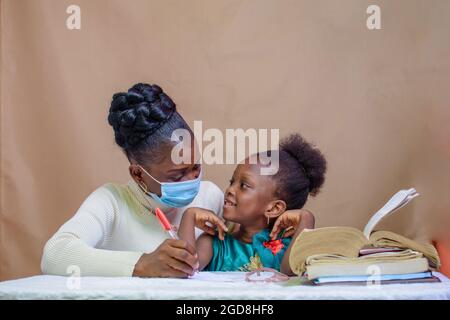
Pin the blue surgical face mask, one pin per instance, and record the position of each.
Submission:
(176, 194)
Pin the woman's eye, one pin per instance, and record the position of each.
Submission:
(244, 185)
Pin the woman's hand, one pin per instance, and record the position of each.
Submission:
(290, 221)
(173, 258)
(208, 221)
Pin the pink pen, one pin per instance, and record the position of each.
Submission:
(166, 224)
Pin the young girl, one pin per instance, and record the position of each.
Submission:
(253, 201)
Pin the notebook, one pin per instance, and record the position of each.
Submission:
(421, 277)
(403, 262)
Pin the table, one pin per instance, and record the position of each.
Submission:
(207, 285)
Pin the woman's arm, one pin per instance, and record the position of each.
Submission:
(307, 221)
(65, 254)
(73, 248)
(73, 245)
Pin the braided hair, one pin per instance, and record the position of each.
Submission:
(143, 119)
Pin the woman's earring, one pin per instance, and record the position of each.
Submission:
(143, 187)
(268, 220)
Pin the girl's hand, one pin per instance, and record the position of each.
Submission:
(290, 221)
(208, 221)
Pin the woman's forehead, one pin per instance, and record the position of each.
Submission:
(175, 153)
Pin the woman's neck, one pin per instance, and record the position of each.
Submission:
(245, 234)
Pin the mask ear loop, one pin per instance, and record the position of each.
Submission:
(276, 277)
(199, 175)
(144, 189)
(148, 174)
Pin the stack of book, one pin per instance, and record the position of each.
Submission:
(345, 255)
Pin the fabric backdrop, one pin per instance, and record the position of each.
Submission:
(376, 102)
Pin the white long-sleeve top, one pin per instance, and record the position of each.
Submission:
(113, 228)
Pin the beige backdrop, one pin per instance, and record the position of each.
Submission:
(376, 102)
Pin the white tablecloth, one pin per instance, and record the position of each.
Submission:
(226, 286)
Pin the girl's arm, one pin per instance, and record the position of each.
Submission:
(307, 222)
(196, 217)
(186, 231)
(205, 250)
(290, 218)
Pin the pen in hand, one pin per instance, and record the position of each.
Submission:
(167, 226)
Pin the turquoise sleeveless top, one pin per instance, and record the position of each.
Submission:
(234, 255)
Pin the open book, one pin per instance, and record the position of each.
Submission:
(347, 242)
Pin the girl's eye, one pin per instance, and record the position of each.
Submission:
(244, 185)
(231, 181)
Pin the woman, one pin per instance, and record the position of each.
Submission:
(114, 232)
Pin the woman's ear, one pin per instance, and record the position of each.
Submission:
(135, 172)
(275, 209)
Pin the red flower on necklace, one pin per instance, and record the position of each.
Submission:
(274, 245)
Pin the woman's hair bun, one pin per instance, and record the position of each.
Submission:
(136, 114)
(311, 160)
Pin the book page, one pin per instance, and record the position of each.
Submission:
(228, 276)
(399, 199)
(218, 276)
(387, 239)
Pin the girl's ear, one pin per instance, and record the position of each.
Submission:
(275, 209)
